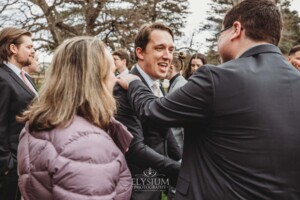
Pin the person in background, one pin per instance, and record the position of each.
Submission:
(240, 141)
(154, 45)
(71, 146)
(34, 66)
(294, 56)
(121, 60)
(17, 91)
(176, 81)
(196, 61)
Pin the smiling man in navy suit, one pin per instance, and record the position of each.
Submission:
(17, 91)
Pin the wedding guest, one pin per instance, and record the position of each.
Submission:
(196, 61)
(17, 91)
(71, 146)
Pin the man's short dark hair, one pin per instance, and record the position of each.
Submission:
(142, 37)
(294, 49)
(10, 36)
(261, 20)
(122, 54)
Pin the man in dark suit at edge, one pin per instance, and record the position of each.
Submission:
(241, 118)
(17, 91)
(151, 147)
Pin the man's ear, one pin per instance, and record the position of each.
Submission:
(237, 30)
(171, 68)
(124, 62)
(139, 53)
(13, 48)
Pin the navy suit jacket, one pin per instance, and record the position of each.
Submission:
(15, 97)
(152, 146)
(242, 130)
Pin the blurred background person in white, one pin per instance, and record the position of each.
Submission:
(121, 60)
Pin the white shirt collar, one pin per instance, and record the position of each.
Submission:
(14, 68)
(17, 71)
(147, 78)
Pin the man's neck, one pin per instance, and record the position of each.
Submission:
(122, 69)
(142, 67)
(13, 61)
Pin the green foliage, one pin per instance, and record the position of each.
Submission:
(290, 33)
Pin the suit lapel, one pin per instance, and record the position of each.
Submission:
(18, 80)
(31, 81)
(136, 72)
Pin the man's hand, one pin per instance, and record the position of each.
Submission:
(124, 80)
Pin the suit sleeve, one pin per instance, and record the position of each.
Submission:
(188, 105)
(4, 116)
(174, 151)
(139, 154)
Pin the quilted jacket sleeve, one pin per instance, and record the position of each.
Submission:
(123, 187)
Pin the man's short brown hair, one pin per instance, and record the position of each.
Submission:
(142, 37)
(122, 54)
(294, 49)
(10, 36)
(261, 20)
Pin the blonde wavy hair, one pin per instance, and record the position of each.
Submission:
(75, 84)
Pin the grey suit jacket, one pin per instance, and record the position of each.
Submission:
(242, 130)
(178, 132)
(177, 83)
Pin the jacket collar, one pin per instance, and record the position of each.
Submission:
(18, 80)
(136, 72)
(262, 48)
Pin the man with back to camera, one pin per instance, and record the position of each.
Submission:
(17, 91)
(294, 56)
(152, 147)
(241, 141)
(121, 60)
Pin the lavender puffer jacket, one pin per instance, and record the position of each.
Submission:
(78, 162)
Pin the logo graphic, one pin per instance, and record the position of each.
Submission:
(150, 180)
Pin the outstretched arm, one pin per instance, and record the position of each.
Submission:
(189, 105)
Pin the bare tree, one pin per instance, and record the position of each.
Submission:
(114, 21)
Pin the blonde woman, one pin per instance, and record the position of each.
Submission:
(71, 147)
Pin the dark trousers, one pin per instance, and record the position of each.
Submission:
(9, 189)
